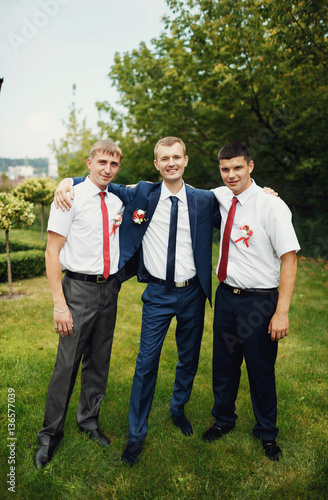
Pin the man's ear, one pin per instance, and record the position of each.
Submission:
(89, 162)
(155, 163)
(251, 166)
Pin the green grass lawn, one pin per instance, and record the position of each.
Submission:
(172, 466)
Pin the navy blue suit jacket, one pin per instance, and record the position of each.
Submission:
(203, 215)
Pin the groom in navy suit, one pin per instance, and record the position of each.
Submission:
(146, 224)
(179, 291)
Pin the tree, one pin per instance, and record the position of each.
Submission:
(191, 81)
(14, 212)
(5, 184)
(228, 70)
(73, 150)
(37, 190)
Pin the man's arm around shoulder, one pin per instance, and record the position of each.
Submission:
(66, 186)
(127, 195)
(124, 193)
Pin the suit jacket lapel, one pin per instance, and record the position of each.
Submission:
(192, 210)
(153, 201)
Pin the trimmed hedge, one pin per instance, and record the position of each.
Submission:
(24, 264)
(21, 246)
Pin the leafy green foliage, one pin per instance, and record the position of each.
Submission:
(224, 71)
(14, 212)
(21, 246)
(26, 255)
(5, 184)
(23, 239)
(37, 190)
(73, 150)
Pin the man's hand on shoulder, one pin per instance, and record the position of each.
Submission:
(60, 197)
(268, 190)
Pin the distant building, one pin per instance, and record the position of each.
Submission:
(7, 184)
(20, 171)
(53, 167)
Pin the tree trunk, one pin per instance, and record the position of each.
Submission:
(42, 216)
(10, 283)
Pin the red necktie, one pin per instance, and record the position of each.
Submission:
(222, 274)
(105, 235)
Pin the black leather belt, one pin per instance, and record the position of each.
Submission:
(177, 284)
(91, 278)
(250, 292)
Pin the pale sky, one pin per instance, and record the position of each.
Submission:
(46, 46)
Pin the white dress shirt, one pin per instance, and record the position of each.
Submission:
(155, 240)
(82, 227)
(255, 263)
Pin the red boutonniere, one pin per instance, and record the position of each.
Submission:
(246, 234)
(117, 223)
(139, 216)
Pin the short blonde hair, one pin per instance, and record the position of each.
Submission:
(169, 141)
(105, 146)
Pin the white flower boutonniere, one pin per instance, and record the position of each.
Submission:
(246, 234)
(117, 223)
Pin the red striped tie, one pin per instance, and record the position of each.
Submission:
(105, 235)
(222, 274)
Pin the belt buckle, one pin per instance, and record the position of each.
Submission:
(181, 284)
(100, 279)
(236, 291)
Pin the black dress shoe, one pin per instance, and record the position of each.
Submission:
(183, 423)
(272, 450)
(215, 432)
(43, 455)
(97, 436)
(132, 452)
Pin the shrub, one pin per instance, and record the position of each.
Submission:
(25, 264)
(21, 246)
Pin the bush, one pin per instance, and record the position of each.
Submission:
(24, 264)
(21, 246)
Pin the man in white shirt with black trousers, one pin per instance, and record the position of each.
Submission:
(250, 314)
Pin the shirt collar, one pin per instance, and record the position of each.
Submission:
(166, 193)
(93, 189)
(243, 197)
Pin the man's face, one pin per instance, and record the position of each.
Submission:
(103, 169)
(236, 174)
(171, 162)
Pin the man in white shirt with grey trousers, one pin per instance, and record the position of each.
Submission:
(85, 242)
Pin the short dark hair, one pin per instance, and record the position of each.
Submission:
(234, 149)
